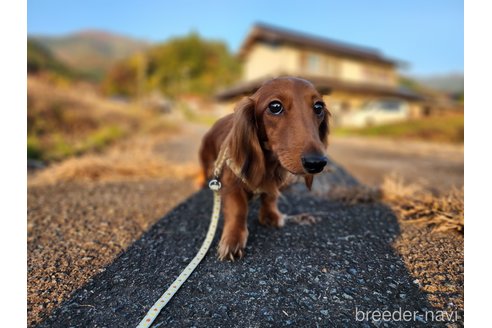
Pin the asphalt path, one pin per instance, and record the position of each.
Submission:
(317, 275)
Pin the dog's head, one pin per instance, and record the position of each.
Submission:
(286, 116)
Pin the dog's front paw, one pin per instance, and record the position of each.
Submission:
(232, 244)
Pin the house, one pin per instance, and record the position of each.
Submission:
(350, 75)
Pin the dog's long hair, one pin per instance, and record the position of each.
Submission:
(244, 145)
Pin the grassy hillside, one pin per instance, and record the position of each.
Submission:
(448, 128)
(64, 121)
(40, 59)
(91, 52)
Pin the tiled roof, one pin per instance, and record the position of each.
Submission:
(276, 35)
(324, 85)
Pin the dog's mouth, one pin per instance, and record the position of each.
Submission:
(294, 172)
(292, 166)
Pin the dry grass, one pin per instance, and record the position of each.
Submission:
(86, 138)
(355, 194)
(447, 128)
(410, 201)
(130, 160)
(73, 120)
(93, 168)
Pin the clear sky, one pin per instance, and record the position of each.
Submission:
(428, 34)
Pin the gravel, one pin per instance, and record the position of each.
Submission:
(75, 230)
(356, 257)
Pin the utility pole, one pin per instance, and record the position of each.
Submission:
(141, 76)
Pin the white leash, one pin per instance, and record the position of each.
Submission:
(169, 293)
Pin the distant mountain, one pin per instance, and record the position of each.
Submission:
(91, 52)
(451, 83)
(41, 59)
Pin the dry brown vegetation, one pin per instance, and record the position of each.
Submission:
(410, 201)
(133, 159)
(90, 203)
(67, 120)
(447, 128)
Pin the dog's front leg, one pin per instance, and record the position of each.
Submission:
(269, 213)
(235, 233)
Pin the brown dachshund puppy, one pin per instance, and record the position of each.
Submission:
(282, 128)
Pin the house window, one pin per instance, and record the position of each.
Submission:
(313, 63)
(368, 74)
(331, 68)
(273, 44)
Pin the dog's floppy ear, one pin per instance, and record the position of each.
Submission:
(244, 147)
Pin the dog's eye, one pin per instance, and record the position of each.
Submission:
(318, 108)
(275, 107)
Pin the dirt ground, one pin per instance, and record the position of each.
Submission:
(438, 167)
(354, 256)
(79, 222)
(76, 228)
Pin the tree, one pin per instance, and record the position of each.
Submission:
(182, 65)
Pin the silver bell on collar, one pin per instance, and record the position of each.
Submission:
(214, 184)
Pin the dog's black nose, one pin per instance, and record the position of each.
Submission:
(314, 163)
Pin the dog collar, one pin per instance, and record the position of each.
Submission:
(224, 159)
